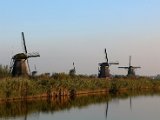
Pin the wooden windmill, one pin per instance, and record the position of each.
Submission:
(72, 72)
(104, 71)
(19, 62)
(130, 68)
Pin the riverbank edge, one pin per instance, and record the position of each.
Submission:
(71, 94)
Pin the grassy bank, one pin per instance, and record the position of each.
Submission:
(58, 86)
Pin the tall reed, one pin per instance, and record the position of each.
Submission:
(4, 71)
(23, 86)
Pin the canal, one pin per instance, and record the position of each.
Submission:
(124, 106)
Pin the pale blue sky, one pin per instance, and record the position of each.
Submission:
(64, 31)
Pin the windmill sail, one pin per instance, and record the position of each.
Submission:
(136, 67)
(124, 67)
(29, 70)
(35, 54)
(106, 55)
(74, 67)
(114, 63)
(24, 43)
(25, 49)
(129, 60)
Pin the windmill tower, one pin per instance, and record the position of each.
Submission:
(104, 67)
(130, 68)
(19, 62)
(72, 72)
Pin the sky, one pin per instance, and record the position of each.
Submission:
(67, 31)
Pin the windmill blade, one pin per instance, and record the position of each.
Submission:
(74, 67)
(106, 54)
(24, 43)
(136, 67)
(124, 67)
(129, 60)
(11, 65)
(105, 50)
(29, 70)
(114, 63)
(35, 54)
(35, 68)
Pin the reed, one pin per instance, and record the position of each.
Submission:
(4, 71)
(22, 87)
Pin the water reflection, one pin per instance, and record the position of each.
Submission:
(130, 101)
(26, 109)
(107, 110)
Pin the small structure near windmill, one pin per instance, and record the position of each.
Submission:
(72, 72)
(19, 62)
(130, 68)
(35, 71)
(103, 70)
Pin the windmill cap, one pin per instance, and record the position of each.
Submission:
(104, 64)
(20, 56)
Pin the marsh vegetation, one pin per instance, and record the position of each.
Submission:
(61, 84)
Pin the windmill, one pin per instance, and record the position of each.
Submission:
(35, 71)
(104, 67)
(19, 62)
(72, 72)
(130, 68)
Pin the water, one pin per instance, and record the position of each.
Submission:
(143, 106)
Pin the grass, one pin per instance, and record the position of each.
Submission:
(22, 87)
(4, 71)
